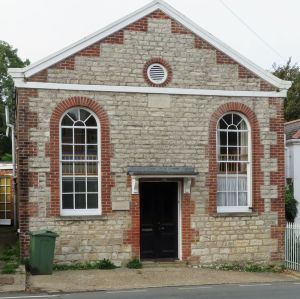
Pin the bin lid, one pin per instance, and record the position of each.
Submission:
(44, 233)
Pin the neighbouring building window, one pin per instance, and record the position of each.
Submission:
(5, 201)
(234, 164)
(80, 163)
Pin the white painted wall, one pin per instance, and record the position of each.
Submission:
(292, 160)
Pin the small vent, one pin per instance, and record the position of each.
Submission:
(157, 73)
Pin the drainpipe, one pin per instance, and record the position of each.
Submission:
(12, 127)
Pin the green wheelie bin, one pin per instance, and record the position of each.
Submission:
(42, 245)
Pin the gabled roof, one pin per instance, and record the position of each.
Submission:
(292, 129)
(19, 74)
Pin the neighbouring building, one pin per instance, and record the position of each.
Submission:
(152, 139)
(292, 158)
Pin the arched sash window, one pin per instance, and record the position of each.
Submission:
(234, 164)
(80, 163)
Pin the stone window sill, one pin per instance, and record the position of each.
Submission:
(82, 218)
(236, 214)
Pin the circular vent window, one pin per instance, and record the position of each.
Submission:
(157, 73)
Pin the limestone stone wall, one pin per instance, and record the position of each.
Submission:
(145, 132)
(120, 61)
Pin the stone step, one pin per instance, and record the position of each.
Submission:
(164, 264)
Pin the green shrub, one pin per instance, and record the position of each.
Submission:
(290, 204)
(106, 264)
(134, 264)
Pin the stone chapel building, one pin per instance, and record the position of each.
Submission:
(153, 139)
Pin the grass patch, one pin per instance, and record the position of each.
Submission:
(11, 259)
(134, 264)
(102, 264)
(248, 267)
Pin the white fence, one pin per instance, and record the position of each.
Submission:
(292, 246)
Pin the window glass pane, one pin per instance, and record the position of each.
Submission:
(233, 154)
(2, 197)
(243, 199)
(222, 124)
(79, 136)
(221, 183)
(74, 113)
(67, 201)
(91, 122)
(222, 167)
(223, 138)
(80, 185)
(92, 201)
(221, 199)
(66, 121)
(92, 168)
(243, 153)
(79, 124)
(67, 185)
(84, 114)
(236, 119)
(243, 125)
(231, 184)
(66, 135)
(228, 119)
(232, 138)
(91, 136)
(67, 152)
(92, 184)
(92, 152)
(243, 168)
(243, 183)
(2, 189)
(79, 152)
(243, 138)
(80, 202)
(67, 168)
(231, 199)
(79, 168)
(232, 167)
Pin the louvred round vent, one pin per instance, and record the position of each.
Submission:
(157, 73)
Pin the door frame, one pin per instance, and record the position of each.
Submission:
(179, 199)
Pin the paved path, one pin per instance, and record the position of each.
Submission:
(119, 279)
(290, 290)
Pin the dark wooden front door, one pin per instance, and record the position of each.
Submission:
(159, 220)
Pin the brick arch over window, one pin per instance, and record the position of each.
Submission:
(256, 149)
(53, 152)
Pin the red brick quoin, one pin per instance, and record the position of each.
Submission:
(257, 154)
(53, 151)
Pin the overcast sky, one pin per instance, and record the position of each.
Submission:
(40, 27)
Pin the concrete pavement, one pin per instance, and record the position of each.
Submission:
(122, 279)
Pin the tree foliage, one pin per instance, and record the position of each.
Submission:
(290, 72)
(291, 203)
(8, 58)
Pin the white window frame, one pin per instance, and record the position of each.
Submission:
(248, 207)
(81, 212)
